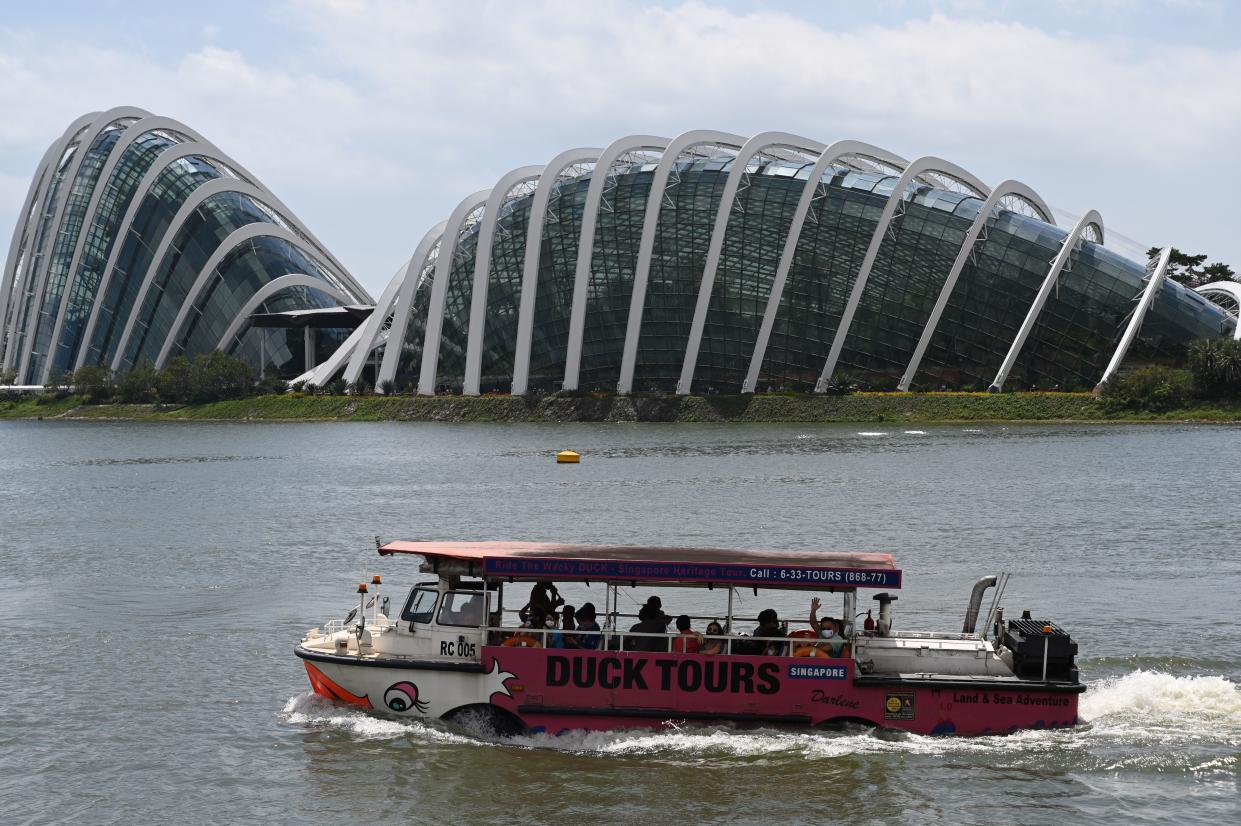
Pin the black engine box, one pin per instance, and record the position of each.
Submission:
(1025, 638)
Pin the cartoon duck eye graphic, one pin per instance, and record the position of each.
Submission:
(403, 696)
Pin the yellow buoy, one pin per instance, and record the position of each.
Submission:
(568, 457)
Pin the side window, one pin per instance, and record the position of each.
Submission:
(462, 608)
(420, 607)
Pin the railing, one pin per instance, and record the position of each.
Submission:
(612, 640)
(334, 626)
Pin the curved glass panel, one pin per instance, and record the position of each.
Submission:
(1068, 348)
(238, 277)
(757, 228)
(198, 238)
(508, 256)
(113, 203)
(618, 233)
(27, 299)
(912, 264)
(682, 238)
(553, 307)
(830, 249)
(66, 241)
(454, 332)
(159, 206)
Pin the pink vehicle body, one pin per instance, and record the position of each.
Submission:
(433, 663)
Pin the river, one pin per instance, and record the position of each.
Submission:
(154, 578)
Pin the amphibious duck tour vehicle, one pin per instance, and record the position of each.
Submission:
(466, 642)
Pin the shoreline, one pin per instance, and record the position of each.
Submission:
(861, 408)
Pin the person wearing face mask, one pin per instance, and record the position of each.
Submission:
(555, 639)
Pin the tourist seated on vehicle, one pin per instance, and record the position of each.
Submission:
(543, 596)
(710, 646)
(831, 631)
(650, 621)
(584, 617)
(533, 623)
(568, 622)
(657, 605)
(768, 626)
(555, 639)
(528, 636)
(687, 641)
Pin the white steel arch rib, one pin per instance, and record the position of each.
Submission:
(348, 349)
(534, 251)
(482, 272)
(45, 175)
(918, 167)
(193, 202)
(833, 154)
(207, 150)
(586, 244)
(754, 146)
(320, 373)
(439, 289)
(367, 336)
(97, 126)
(235, 239)
(166, 158)
(135, 131)
(21, 235)
(405, 302)
(1003, 190)
(1231, 289)
(646, 247)
(1153, 285)
(269, 289)
(1090, 219)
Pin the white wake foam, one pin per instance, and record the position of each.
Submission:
(1155, 696)
(313, 711)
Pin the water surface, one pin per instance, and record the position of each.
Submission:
(155, 576)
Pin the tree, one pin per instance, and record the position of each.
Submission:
(1215, 364)
(1192, 270)
(95, 383)
(174, 384)
(137, 386)
(218, 376)
(1155, 389)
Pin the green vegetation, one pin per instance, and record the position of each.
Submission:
(1215, 365)
(878, 408)
(1153, 389)
(37, 407)
(1214, 376)
(217, 387)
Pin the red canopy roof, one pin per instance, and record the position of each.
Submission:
(653, 553)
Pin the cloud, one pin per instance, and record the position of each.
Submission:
(371, 119)
(967, 83)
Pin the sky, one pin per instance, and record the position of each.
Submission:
(372, 120)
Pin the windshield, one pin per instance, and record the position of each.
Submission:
(462, 608)
(421, 605)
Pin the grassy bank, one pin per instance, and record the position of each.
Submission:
(907, 408)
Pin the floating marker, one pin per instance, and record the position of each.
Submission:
(568, 457)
